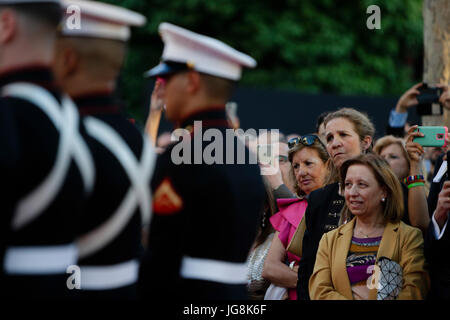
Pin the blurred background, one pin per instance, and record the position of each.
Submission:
(313, 56)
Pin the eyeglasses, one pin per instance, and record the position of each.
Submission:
(306, 140)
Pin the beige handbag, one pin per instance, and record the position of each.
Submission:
(296, 243)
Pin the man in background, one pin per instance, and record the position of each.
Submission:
(45, 165)
(87, 63)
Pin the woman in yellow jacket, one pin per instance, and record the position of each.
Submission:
(374, 255)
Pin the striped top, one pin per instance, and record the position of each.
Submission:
(362, 255)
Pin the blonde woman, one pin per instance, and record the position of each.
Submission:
(375, 239)
(405, 160)
(348, 133)
(308, 158)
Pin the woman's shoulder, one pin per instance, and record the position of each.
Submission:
(286, 202)
(322, 198)
(291, 210)
(332, 235)
(409, 230)
(409, 233)
(404, 227)
(326, 191)
(342, 229)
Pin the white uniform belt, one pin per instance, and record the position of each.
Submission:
(214, 270)
(34, 260)
(109, 277)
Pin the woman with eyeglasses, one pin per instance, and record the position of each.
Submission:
(308, 157)
(348, 133)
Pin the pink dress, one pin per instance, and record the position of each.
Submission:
(286, 222)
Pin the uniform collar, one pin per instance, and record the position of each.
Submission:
(37, 74)
(99, 102)
(214, 116)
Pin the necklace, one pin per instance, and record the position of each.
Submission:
(376, 228)
(366, 235)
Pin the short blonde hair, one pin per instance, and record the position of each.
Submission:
(393, 206)
(387, 141)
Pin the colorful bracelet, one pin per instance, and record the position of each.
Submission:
(415, 181)
(416, 184)
(412, 179)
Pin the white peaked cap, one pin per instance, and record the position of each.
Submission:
(99, 20)
(201, 53)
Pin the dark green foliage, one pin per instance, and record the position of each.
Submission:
(319, 46)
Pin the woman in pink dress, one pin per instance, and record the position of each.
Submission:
(308, 157)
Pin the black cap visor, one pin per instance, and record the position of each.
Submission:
(166, 68)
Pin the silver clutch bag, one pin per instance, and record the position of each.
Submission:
(257, 285)
(390, 279)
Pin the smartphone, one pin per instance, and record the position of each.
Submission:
(428, 94)
(433, 136)
(428, 99)
(265, 154)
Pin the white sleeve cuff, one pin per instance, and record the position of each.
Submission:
(438, 234)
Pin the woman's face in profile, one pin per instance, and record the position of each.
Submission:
(362, 191)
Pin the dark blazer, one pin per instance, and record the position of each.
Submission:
(436, 251)
(436, 187)
(322, 215)
(436, 254)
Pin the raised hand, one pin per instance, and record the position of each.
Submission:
(414, 149)
(408, 99)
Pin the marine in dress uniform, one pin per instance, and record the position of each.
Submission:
(45, 164)
(87, 63)
(205, 216)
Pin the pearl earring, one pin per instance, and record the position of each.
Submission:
(383, 199)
